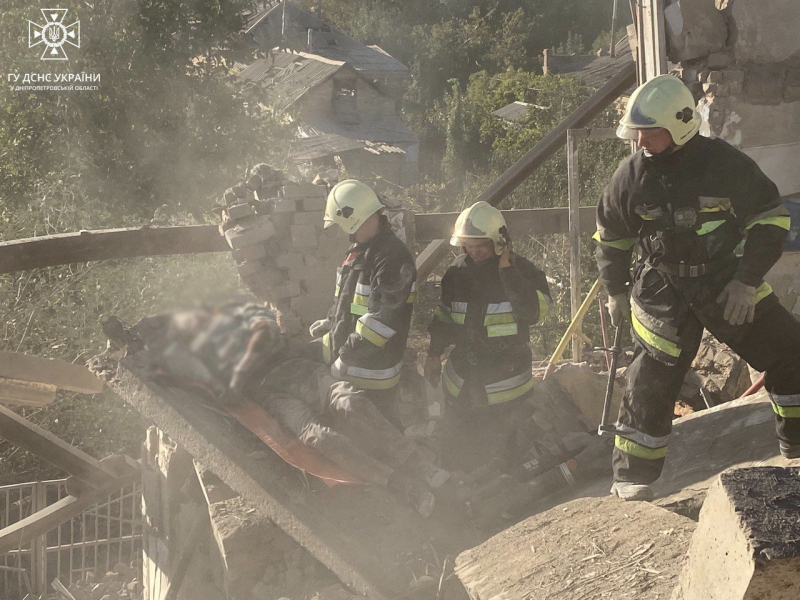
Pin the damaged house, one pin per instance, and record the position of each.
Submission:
(342, 96)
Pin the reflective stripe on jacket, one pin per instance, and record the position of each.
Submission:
(486, 313)
(371, 313)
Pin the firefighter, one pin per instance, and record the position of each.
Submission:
(364, 336)
(490, 297)
(688, 201)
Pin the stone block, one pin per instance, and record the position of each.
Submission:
(290, 260)
(263, 279)
(761, 29)
(303, 190)
(304, 236)
(331, 247)
(239, 211)
(764, 84)
(289, 289)
(718, 60)
(240, 191)
(747, 543)
(284, 205)
(605, 546)
(715, 77)
(239, 237)
(694, 28)
(312, 204)
(250, 253)
(314, 218)
(249, 267)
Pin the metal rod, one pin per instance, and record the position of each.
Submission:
(616, 350)
(603, 326)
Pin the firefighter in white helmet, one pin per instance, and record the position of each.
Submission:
(490, 297)
(364, 336)
(688, 201)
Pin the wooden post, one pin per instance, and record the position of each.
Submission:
(652, 38)
(612, 50)
(573, 190)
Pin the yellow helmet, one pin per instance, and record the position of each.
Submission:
(481, 221)
(666, 102)
(349, 204)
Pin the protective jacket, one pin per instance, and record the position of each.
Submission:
(688, 211)
(486, 313)
(371, 313)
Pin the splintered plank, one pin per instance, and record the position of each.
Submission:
(50, 371)
(362, 534)
(26, 393)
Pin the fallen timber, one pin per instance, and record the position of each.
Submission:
(369, 540)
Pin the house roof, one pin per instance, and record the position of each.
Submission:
(514, 112)
(592, 71)
(288, 76)
(322, 136)
(264, 30)
(331, 143)
(381, 128)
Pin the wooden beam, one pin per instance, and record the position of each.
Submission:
(532, 221)
(21, 432)
(49, 371)
(66, 248)
(39, 523)
(544, 149)
(26, 393)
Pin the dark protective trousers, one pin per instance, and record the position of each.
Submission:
(770, 344)
(340, 421)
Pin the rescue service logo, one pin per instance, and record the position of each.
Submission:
(54, 34)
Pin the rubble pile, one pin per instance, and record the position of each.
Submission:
(718, 375)
(123, 582)
(733, 59)
(274, 227)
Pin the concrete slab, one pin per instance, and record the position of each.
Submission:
(586, 549)
(364, 536)
(747, 544)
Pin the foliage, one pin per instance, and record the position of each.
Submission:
(167, 130)
(165, 126)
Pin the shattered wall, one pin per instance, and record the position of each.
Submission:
(283, 254)
(742, 60)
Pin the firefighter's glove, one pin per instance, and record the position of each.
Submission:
(433, 370)
(619, 307)
(319, 328)
(739, 300)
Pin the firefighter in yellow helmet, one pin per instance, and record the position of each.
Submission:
(490, 297)
(364, 335)
(688, 201)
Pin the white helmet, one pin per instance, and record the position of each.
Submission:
(481, 221)
(666, 102)
(350, 203)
